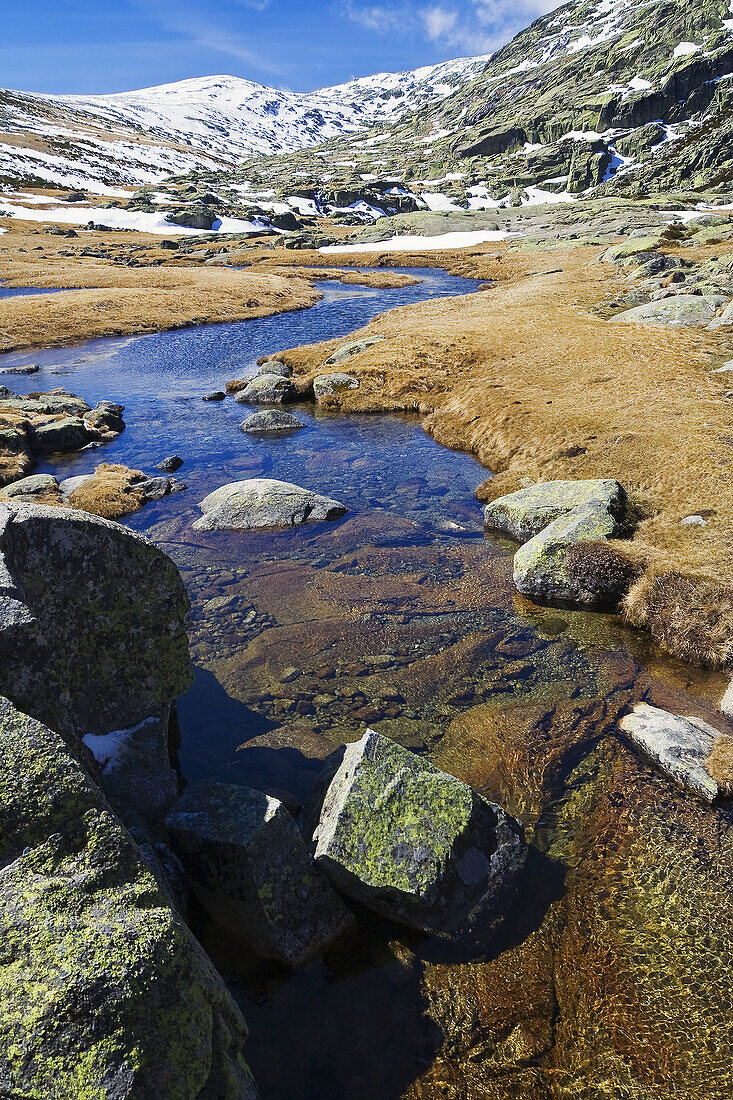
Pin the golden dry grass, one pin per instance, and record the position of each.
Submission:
(111, 493)
(112, 300)
(719, 764)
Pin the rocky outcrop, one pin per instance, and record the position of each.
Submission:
(678, 311)
(249, 867)
(413, 843)
(561, 521)
(264, 502)
(325, 385)
(92, 634)
(104, 992)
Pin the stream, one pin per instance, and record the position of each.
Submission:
(401, 616)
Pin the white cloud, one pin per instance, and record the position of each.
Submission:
(439, 22)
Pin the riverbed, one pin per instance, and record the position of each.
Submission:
(401, 616)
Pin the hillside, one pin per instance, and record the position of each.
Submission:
(140, 137)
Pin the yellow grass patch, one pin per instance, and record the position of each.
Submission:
(110, 493)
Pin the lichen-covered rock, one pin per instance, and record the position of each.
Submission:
(264, 502)
(325, 385)
(413, 843)
(631, 248)
(540, 566)
(678, 746)
(523, 514)
(71, 433)
(679, 311)
(249, 867)
(34, 485)
(102, 642)
(47, 404)
(104, 993)
(106, 418)
(267, 389)
(271, 421)
(347, 351)
(274, 366)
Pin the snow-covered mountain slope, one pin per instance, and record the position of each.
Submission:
(133, 138)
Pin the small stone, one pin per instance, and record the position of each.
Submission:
(217, 395)
(289, 674)
(271, 421)
(170, 465)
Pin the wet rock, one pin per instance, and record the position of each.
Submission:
(171, 464)
(155, 488)
(268, 389)
(264, 502)
(249, 867)
(103, 645)
(106, 418)
(680, 310)
(523, 514)
(77, 899)
(325, 385)
(413, 843)
(347, 351)
(217, 395)
(28, 368)
(271, 421)
(71, 433)
(47, 404)
(678, 746)
(235, 385)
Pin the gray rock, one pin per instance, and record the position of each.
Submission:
(106, 643)
(274, 366)
(29, 368)
(725, 318)
(155, 488)
(415, 844)
(267, 389)
(170, 465)
(69, 484)
(523, 514)
(678, 746)
(95, 962)
(264, 502)
(217, 395)
(69, 434)
(324, 385)
(106, 417)
(677, 311)
(250, 868)
(29, 486)
(270, 421)
(48, 404)
(195, 217)
(347, 351)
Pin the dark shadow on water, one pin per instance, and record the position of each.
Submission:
(212, 725)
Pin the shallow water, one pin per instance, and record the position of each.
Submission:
(21, 291)
(401, 615)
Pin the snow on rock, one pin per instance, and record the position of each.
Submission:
(76, 214)
(421, 244)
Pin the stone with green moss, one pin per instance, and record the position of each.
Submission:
(103, 991)
(264, 502)
(325, 385)
(354, 347)
(103, 645)
(413, 843)
(267, 389)
(250, 869)
(677, 311)
(523, 514)
(541, 566)
(627, 249)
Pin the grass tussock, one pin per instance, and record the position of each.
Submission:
(602, 571)
(719, 764)
(690, 617)
(111, 493)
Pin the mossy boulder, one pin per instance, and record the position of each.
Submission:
(635, 245)
(267, 389)
(523, 514)
(70, 433)
(264, 502)
(347, 351)
(677, 311)
(271, 421)
(413, 843)
(325, 385)
(103, 991)
(249, 867)
(102, 642)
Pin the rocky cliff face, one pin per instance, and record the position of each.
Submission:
(103, 990)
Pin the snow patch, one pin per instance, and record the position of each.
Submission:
(109, 749)
(422, 244)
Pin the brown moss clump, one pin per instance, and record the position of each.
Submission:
(601, 571)
(719, 764)
(112, 492)
(689, 616)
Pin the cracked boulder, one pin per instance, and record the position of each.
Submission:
(414, 844)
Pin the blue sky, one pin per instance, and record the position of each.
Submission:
(116, 45)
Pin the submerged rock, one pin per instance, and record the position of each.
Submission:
(678, 746)
(413, 843)
(264, 502)
(267, 389)
(105, 993)
(250, 868)
(271, 420)
(324, 385)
